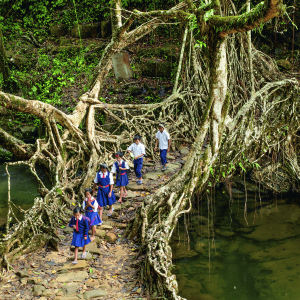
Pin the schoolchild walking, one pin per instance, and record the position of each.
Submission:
(90, 205)
(81, 238)
(105, 195)
(120, 167)
(139, 151)
(164, 141)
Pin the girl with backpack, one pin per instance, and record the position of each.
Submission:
(90, 206)
(120, 167)
(81, 237)
(105, 195)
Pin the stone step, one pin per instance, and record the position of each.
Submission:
(72, 276)
(69, 266)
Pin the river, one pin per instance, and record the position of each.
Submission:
(218, 256)
(23, 189)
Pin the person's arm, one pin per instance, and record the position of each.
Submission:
(129, 149)
(111, 184)
(156, 143)
(72, 223)
(114, 169)
(94, 187)
(84, 207)
(96, 206)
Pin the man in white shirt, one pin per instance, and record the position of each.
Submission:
(164, 141)
(139, 151)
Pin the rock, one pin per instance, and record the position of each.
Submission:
(148, 164)
(33, 280)
(106, 227)
(111, 238)
(22, 274)
(101, 233)
(121, 65)
(48, 293)
(105, 29)
(58, 30)
(88, 257)
(284, 64)
(153, 175)
(38, 290)
(135, 187)
(185, 158)
(23, 281)
(70, 288)
(130, 195)
(73, 276)
(68, 230)
(156, 68)
(127, 204)
(184, 151)
(94, 294)
(43, 298)
(86, 31)
(92, 248)
(66, 298)
(69, 266)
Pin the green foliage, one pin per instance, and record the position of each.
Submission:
(5, 155)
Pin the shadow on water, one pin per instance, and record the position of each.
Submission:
(217, 255)
(23, 189)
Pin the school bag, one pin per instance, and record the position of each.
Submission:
(90, 222)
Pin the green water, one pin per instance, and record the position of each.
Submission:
(23, 188)
(226, 259)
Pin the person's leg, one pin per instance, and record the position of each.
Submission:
(125, 191)
(83, 252)
(76, 253)
(121, 194)
(93, 233)
(139, 169)
(164, 159)
(135, 164)
(161, 158)
(110, 210)
(100, 212)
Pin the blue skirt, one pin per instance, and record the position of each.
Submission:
(123, 181)
(103, 199)
(91, 215)
(78, 240)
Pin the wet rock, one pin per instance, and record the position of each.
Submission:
(94, 294)
(69, 266)
(111, 238)
(70, 288)
(38, 290)
(73, 276)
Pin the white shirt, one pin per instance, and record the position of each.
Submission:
(79, 218)
(137, 149)
(114, 169)
(111, 180)
(163, 139)
(95, 204)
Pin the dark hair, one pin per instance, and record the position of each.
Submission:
(88, 190)
(76, 210)
(104, 166)
(120, 153)
(137, 137)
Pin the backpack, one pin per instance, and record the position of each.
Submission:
(90, 222)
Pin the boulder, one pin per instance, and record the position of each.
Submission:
(58, 30)
(94, 294)
(156, 68)
(70, 288)
(284, 64)
(101, 233)
(111, 238)
(86, 31)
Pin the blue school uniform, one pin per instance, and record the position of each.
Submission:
(83, 231)
(138, 165)
(163, 156)
(122, 178)
(91, 213)
(103, 191)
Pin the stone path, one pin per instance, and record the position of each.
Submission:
(109, 269)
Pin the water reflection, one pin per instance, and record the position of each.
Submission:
(23, 188)
(217, 256)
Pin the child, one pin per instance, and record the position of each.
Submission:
(90, 205)
(81, 232)
(120, 167)
(138, 150)
(105, 196)
(163, 137)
